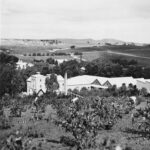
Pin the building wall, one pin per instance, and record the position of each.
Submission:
(61, 86)
(40, 84)
(147, 86)
(23, 65)
(79, 87)
(140, 85)
(37, 82)
(29, 88)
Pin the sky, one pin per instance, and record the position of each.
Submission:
(127, 20)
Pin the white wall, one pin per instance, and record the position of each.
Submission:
(79, 87)
(40, 84)
(147, 86)
(140, 85)
(37, 82)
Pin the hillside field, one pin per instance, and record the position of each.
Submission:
(139, 53)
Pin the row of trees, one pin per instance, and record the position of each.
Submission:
(38, 54)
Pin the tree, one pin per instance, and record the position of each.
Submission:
(91, 69)
(38, 54)
(51, 61)
(116, 70)
(123, 89)
(7, 73)
(17, 83)
(8, 59)
(34, 54)
(45, 70)
(143, 92)
(51, 83)
(146, 73)
(72, 67)
(47, 54)
(113, 90)
(72, 46)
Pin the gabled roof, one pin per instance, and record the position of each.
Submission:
(120, 80)
(80, 80)
(85, 79)
(143, 80)
(29, 79)
(40, 92)
(140, 79)
(147, 80)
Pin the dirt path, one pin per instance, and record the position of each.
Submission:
(126, 54)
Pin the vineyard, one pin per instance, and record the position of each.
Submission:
(78, 123)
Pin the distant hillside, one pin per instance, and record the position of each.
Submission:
(62, 43)
(111, 42)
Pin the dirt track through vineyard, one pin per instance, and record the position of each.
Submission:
(126, 54)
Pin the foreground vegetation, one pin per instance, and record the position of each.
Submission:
(98, 119)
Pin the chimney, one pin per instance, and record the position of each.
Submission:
(65, 83)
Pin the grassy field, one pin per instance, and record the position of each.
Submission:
(31, 58)
(89, 56)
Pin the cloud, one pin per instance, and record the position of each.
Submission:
(76, 18)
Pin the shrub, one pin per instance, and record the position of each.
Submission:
(38, 54)
(34, 54)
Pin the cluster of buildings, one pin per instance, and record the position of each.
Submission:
(36, 82)
(23, 65)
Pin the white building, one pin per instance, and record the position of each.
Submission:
(23, 65)
(36, 82)
(89, 82)
(86, 81)
(143, 83)
(60, 61)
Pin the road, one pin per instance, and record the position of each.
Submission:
(126, 54)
